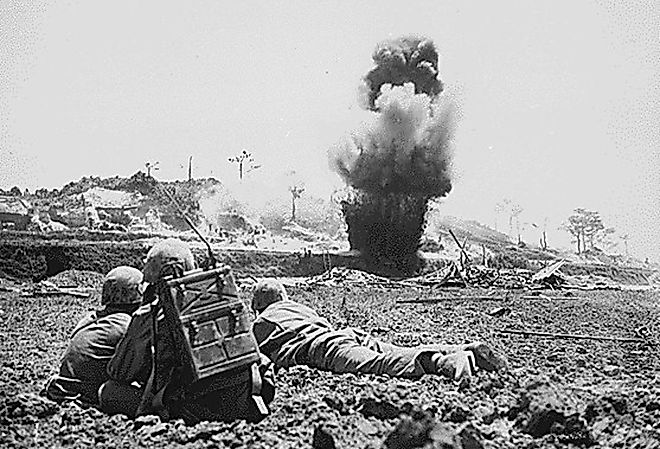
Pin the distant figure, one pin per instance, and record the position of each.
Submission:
(94, 339)
(290, 333)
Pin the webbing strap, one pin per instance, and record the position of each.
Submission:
(151, 389)
(256, 390)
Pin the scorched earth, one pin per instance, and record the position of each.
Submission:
(555, 392)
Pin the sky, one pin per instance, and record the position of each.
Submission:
(559, 100)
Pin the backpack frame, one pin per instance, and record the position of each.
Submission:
(211, 329)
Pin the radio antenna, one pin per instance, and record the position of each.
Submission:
(187, 220)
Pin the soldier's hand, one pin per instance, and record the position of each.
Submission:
(485, 357)
(459, 366)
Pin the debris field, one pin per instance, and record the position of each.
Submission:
(556, 392)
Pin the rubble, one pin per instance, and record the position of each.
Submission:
(550, 274)
(47, 288)
(342, 275)
(473, 276)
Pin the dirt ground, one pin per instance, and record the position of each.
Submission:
(555, 393)
(25, 256)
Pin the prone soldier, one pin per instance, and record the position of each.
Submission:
(290, 333)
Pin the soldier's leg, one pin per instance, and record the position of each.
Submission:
(116, 397)
(484, 357)
(380, 346)
(342, 352)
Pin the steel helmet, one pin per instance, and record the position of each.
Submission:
(165, 255)
(267, 292)
(122, 286)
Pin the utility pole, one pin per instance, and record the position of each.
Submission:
(625, 238)
(190, 169)
(516, 210)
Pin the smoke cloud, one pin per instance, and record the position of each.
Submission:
(404, 60)
(407, 150)
(400, 161)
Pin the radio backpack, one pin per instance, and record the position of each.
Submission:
(213, 372)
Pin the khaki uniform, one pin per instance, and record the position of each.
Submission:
(83, 367)
(291, 334)
(227, 399)
(132, 360)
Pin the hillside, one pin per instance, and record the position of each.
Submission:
(235, 219)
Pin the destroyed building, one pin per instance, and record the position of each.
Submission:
(15, 213)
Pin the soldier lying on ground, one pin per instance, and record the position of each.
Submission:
(94, 339)
(228, 397)
(291, 334)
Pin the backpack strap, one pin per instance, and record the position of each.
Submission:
(152, 397)
(154, 392)
(149, 389)
(256, 390)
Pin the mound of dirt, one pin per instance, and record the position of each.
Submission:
(420, 430)
(78, 278)
(24, 407)
(25, 259)
(543, 408)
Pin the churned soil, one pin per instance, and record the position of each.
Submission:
(554, 393)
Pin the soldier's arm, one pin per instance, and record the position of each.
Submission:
(262, 329)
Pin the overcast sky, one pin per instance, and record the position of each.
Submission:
(560, 100)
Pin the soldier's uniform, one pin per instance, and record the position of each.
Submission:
(229, 398)
(290, 333)
(94, 339)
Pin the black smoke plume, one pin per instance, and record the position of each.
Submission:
(395, 165)
(405, 60)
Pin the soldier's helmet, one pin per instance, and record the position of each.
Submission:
(165, 258)
(267, 292)
(122, 286)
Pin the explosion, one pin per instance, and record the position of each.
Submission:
(405, 60)
(402, 160)
(408, 149)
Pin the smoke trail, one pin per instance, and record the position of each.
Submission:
(407, 150)
(400, 61)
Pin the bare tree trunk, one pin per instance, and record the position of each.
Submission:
(293, 208)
